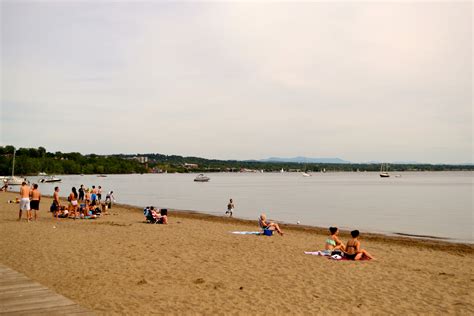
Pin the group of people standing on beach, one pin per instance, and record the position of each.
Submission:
(30, 198)
(82, 203)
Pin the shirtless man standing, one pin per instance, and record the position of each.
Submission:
(56, 202)
(35, 199)
(24, 201)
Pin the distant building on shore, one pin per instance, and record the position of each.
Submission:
(191, 165)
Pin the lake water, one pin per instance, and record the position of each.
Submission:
(436, 204)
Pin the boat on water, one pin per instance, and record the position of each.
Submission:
(201, 178)
(42, 174)
(305, 174)
(384, 171)
(50, 179)
(102, 175)
(281, 171)
(13, 180)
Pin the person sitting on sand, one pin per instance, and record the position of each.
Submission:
(160, 217)
(264, 224)
(333, 242)
(63, 212)
(353, 250)
(163, 216)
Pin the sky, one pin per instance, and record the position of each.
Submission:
(362, 81)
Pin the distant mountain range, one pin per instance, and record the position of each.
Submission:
(305, 160)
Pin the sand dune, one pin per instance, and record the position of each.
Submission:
(119, 264)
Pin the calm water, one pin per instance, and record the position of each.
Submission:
(422, 203)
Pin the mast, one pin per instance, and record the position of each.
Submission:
(13, 168)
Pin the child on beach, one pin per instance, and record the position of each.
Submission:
(353, 250)
(230, 208)
(109, 198)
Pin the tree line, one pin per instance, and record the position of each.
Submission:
(31, 161)
(175, 163)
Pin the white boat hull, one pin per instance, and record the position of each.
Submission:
(201, 178)
(15, 180)
(50, 180)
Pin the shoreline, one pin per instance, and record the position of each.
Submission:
(397, 238)
(393, 220)
(409, 241)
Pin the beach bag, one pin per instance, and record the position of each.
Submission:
(268, 232)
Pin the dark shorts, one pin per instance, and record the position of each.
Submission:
(35, 205)
(351, 256)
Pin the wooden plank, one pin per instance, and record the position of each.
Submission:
(22, 296)
(63, 310)
(19, 286)
(43, 295)
(23, 290)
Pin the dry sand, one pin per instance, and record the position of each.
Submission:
(119, 265)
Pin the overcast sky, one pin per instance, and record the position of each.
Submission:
(385, 81)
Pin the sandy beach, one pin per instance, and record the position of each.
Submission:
(120, 265)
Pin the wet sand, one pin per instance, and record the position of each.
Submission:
(119, 265)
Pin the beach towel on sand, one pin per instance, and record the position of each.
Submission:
(329, 255)
(324, 253)
(246, 233)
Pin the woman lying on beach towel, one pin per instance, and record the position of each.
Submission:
(264, 224)
(353, 250)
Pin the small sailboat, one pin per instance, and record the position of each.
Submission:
(384, 171)
(14, 180)
(281, 171)
(201, 178)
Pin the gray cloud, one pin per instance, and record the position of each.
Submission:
(362, 81)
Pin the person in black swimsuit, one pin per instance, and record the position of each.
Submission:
(81, 193)
(353, 250)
